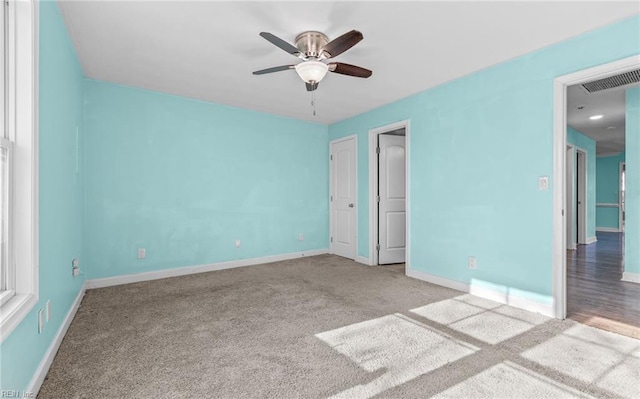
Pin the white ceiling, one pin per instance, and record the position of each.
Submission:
(207, 50)
(608, 132)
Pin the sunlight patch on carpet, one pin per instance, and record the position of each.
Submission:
(400, 346)
(607, 360)
(479, 318)
(509, 380)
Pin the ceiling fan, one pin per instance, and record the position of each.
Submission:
(313, 48)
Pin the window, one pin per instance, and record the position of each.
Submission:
(18, 163)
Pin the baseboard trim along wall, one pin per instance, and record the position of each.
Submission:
(363, 260)
(591, 240)
(183, 271)
(487, 293)
(47, 360)
(608, 229)
(631, 277)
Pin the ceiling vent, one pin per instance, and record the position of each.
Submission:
(623, 79)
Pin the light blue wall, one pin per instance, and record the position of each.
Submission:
(607, 189)
(589, 145)
(185, 178)
(61, 199)
(477, 148)
(632, 217)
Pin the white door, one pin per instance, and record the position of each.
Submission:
(621, 199)
(343, 198)
(581, 205)
(392, 203)
(569, 211)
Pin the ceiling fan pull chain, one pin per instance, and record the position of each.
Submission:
(313, 102)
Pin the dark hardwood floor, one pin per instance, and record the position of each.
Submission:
(595, 294)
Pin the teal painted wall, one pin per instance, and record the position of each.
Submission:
(589, 145)
(185, 178)
(632, 217)
(61, 197)
(607, 189)
(477, 147)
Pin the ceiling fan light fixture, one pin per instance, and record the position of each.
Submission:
(312, 71)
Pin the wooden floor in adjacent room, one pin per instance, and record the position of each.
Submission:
(595, 293)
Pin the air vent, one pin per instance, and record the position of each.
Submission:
(626, 78)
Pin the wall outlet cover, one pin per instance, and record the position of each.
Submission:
(237, 243)
(472, 263)
(142, 253)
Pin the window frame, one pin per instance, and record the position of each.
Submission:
(21, 124)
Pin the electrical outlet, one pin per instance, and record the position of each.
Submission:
(237, 243)
(301, 237)
(142, 253)
(40, 320)
(47, 310)
(472, 262)
(75, 267)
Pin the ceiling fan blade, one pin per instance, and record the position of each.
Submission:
(274, 69)
(275, 40)
(312, 86)
(341, 44)
(348, 69)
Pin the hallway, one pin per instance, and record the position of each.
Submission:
(595, 294)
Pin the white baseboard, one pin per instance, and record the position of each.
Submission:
(608, 229)
(183, 271)
(363, 260)
(45, 364)
(487, 293)
(591, 240)
(631, 277)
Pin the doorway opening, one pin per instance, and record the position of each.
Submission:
(589, 142)
(388, 206)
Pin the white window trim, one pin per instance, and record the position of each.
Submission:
(22, 119)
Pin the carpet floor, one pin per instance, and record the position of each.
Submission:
(325, 326)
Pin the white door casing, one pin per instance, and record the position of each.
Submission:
(392, 201)
(560, 85)
(343, 240)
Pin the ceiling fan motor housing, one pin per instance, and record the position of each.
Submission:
(309, 43)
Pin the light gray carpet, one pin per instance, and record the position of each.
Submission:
(327, 327)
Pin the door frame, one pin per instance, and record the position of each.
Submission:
(373, 188)
(621, 210)
(355, 238)
(560, 84)
(582, 160)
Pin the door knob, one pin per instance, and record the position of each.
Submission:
(350, 205)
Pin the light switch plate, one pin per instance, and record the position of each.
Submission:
(40, 321)
(543, 183)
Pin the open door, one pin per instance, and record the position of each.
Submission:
(391, 199)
